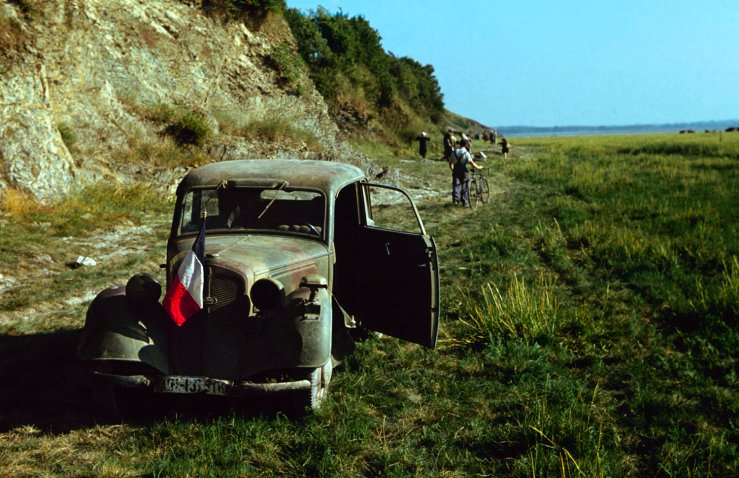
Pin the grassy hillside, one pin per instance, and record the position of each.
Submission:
(588, 329)
(370, 92)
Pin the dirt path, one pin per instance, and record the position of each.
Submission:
(74, 288)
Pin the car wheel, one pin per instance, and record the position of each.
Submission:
(360, 333)
(105, 396)
(310, 400)
(326, 374)
(114, 404)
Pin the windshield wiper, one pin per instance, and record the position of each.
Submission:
(269, 204)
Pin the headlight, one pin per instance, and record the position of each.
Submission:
(143, 290)
(267, 294)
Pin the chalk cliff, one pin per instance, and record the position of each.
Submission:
(86, 85)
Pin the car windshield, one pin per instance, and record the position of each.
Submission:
(277, 209)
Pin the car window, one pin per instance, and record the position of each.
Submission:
(391, 208)
(282, 195)
(284, 210)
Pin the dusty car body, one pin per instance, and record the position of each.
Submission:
(294, 260)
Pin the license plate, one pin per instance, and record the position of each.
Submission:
(209, 386)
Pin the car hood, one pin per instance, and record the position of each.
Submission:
(258, 255)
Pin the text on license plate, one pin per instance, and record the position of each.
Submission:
(205, 385)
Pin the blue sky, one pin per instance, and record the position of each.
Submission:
(568, 62)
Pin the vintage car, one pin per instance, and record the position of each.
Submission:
(298, 255)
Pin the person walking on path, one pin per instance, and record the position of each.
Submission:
(423, 139)
(448, 144)
(460, 158)
(505, 147)
(467, 140)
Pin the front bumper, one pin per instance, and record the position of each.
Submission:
(182, 384)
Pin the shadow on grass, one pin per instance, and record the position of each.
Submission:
(42, 383)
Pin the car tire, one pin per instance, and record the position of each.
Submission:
(115, 404)
(308, 401)
(104, 395)
(360, 333)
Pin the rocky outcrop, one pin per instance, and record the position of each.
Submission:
(83, 83)
(32, 152)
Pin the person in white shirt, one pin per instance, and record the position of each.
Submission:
(458, 162)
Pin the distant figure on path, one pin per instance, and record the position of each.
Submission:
(461, 157)
(468, 140)
(494, 136)
(423, 139)
(448, 144)
(505, 147)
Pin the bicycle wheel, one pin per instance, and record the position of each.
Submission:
(484, 190)
(472, 192)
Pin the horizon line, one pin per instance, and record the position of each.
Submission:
(630, 125)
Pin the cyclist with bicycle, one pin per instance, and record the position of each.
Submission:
(458, 162)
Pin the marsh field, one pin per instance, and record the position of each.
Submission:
(588, 328)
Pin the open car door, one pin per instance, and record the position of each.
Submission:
(399, 272)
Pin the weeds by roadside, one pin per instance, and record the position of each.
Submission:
(519, 312)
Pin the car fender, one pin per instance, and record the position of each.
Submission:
(116, 330)
(314, 325)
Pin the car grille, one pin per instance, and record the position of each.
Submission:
(223, 346)
(224, 289)
(223, 341)
(211, 343)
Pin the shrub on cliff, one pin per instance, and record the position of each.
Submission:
(240, 7)
(189, 128)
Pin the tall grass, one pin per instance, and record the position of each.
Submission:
(275, 129)
(278, 129)
(573, 441)
(656, 218)
(79, 212)
(18, 204)
(164, 152)
(589, 317)
(521, 311)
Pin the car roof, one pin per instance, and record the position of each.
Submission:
(327, 176)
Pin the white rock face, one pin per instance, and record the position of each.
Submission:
(33, 153)
(97, 69)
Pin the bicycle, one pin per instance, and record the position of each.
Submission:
(479, 189)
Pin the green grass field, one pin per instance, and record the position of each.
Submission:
(588, 329)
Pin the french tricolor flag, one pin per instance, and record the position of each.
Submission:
(184, 297)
